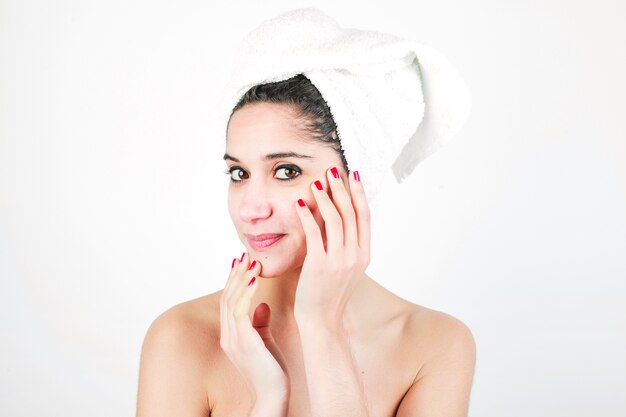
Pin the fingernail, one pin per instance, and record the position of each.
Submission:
(251, 281)
(301, 202)
(318, 185)
(357, 177)
(233, 265)
(335, 172)
(252, 265)
(242, 255)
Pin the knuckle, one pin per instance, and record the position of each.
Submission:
(365, 214)
(239, 312)
(335, 221)
(352, 264)
(350, 268)
(335, 266)
(228, 302)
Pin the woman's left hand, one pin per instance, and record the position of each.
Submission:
(330, 274)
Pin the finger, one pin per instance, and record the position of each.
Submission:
(343, 203)
(242, 306)
(231, 294)
(235, 268)
(332, 218)
(244, 274)
(238, 306)
(233, 271)
(313, 234)
(261, 321)
(223, 298)
(224, 333)
(362, 210)
(241, 317)
(241, 265)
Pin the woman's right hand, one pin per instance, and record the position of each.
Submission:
(249, 344)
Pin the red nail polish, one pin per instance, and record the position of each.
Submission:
(233, 265)
(242, 255)
(301, 202)
(335, 172)
(318, 185)
(252, 265)
(357, 177)
(251, 281)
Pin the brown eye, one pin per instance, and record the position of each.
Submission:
(237, 174)
(290, 172)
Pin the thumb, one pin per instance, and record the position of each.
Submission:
(261, 321)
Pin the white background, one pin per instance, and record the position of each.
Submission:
(113, 201)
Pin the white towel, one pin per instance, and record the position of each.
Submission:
(394, 101)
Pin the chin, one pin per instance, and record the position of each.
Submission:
(276, 269)
(277, 263)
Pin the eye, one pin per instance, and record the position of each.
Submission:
(287, 173)
(290, 171)
(234, 170)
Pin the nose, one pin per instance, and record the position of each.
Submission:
(255, 203)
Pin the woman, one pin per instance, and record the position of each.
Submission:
(300, 329)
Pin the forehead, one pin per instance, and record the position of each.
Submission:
(268, 127)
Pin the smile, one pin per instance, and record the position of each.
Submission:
(262, 244)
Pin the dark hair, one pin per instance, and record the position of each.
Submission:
(307, 101)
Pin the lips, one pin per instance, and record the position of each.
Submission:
(263, 241)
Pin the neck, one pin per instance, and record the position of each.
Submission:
(279, 293)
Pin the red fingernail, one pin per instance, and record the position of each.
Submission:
(251, 281)
(252, 265)
(301, 202)
(233, 265)
(335, 172)
(357, 177)
(318, 185)
(242, 255)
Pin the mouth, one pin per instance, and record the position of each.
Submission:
(264, 241)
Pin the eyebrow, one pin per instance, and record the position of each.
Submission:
(271, 156)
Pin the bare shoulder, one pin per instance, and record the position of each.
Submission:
(422, 325)
(432, 336)
(196, 319)
(176, 358)
(188, 331)
(443, 350)
(437, 326)
(446, 340)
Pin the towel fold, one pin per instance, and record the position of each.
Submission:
(394, 101)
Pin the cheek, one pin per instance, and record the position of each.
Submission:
(290, 216)
(233, 212)
(317, 215)
(231, 209)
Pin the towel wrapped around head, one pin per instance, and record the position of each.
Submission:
(394, 101)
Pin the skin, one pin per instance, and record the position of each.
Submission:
(313, 334)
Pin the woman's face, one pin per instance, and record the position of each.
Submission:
(266, 182)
